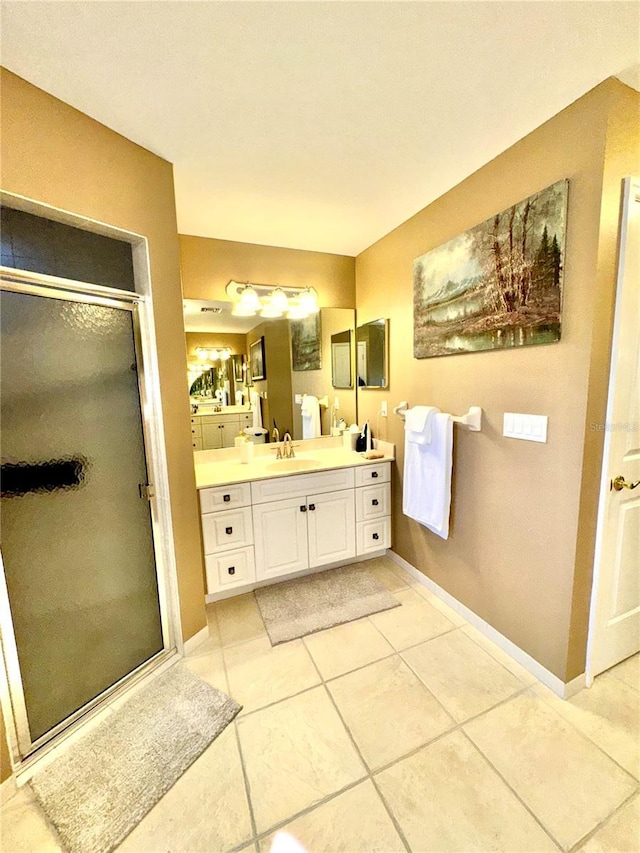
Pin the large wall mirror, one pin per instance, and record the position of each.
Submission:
(297, 359)
(372, 354)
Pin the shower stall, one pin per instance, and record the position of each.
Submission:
(83, 605)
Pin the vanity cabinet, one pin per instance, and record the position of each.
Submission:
(373, 508)
(280, 526)
(304, 533)
(212, 432)
(227, 536)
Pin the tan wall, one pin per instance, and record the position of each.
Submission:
(276, 388)
(5, 762)
(55, 154)
(318, 382)
(515, 505)
(208, 266)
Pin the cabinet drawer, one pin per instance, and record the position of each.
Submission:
(233, 568)
(263, 491)
(373, 535)
(196, 429)
(373, 502)
(225, 497)
(196, 441)
(224, 531)
(366, 474)
(219, 419)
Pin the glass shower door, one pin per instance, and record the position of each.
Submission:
(77, 544)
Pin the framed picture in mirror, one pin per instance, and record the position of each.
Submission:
(256, 356)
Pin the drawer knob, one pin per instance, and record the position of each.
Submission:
(374, 502)
(303, 509)
(232, 570)
(312, 507)
(229, 530)
(374, 474)
(226, 498)
(375, 536)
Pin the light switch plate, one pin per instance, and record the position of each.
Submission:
(298, 399)
(525, 427)
(383, 408)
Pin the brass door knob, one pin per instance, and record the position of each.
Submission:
(620, 483)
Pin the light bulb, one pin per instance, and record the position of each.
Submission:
(296, 312)
(308, 301)
(249, 300)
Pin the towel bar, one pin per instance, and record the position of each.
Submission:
(472, 419)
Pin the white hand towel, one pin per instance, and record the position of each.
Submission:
(417, 423)
(426, 490)
(256, 408)
(310, 411)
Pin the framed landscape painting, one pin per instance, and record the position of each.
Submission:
(497, 285)
(256, 356)
(306, 343)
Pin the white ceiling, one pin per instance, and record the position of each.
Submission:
(318, 125)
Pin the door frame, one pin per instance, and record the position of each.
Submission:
(139, 302)
(630, 187)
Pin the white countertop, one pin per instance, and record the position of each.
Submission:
(226, 468)
(209, 409)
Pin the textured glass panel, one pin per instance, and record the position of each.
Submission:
(76, 536)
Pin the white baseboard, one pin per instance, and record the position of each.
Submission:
(7, 789)
(530, 664)
(197, 640)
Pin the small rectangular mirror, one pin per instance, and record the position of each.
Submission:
(372, 350)
(341, 376)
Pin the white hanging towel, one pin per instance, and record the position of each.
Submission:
(256, 408)
(310, 411)
(426, 494)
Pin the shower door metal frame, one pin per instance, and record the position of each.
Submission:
(12, 692)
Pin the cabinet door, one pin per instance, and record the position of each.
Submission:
(280, 536)
(332, 527)
(211, 436)
(228, 431)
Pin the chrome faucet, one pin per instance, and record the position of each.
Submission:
(275, 436)
(288, 446)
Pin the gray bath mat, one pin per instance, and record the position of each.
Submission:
(305, 605)
(100, 789)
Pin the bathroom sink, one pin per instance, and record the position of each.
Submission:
(289, 465)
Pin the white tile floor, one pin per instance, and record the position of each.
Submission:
(406, 730)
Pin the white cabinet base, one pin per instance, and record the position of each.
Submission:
(231, 569)
(230, 592)
(373, 535)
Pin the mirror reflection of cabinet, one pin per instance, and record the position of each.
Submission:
(372, 348)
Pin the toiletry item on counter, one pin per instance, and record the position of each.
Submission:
(374, 454)
(363, 442)
(350, 436)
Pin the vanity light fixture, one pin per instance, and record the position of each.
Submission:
(206, 354)
(272, 301)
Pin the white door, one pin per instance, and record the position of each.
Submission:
(332, 527)
(280, 536)
(361, 356)
(341, 365)
(614, 630)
